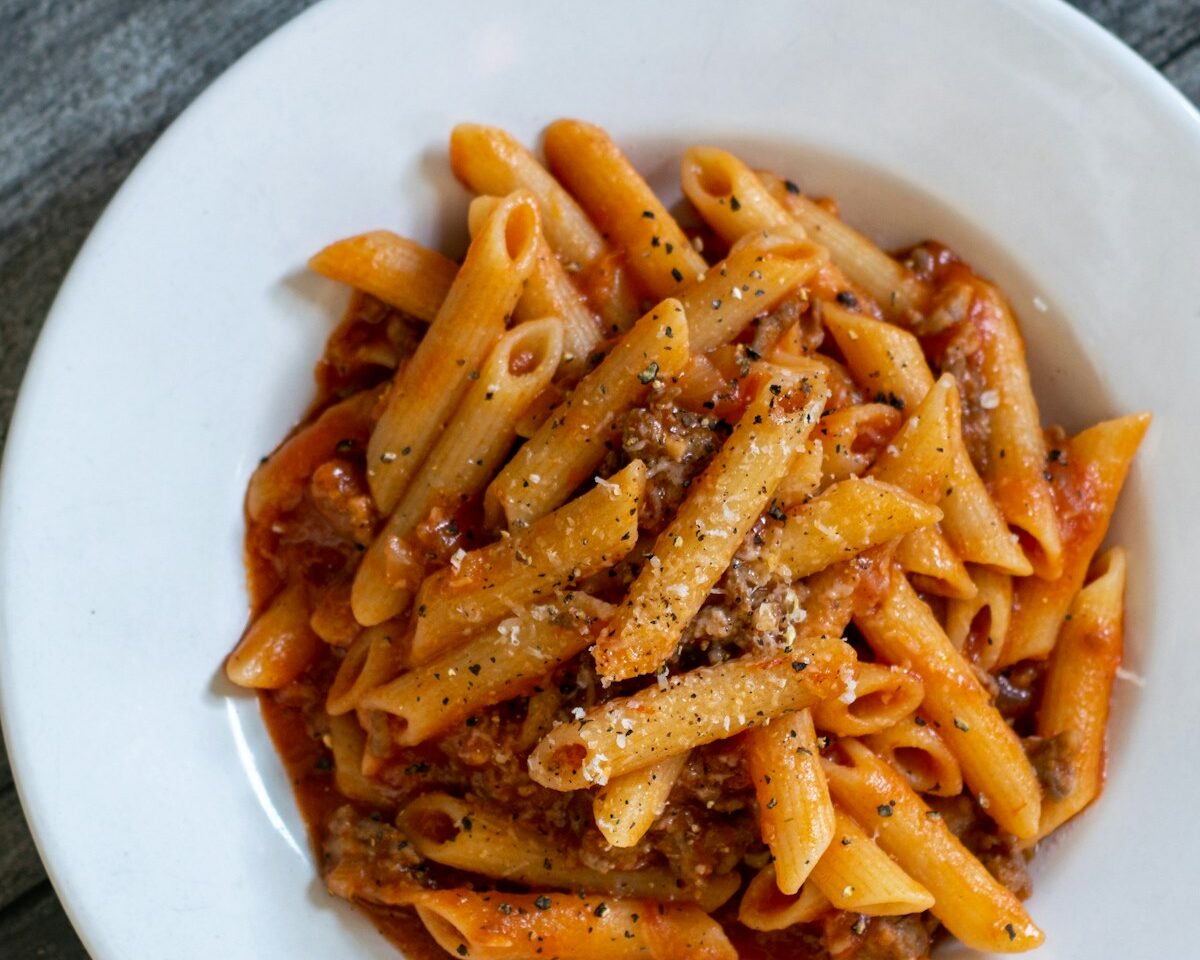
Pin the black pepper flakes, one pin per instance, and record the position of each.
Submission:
(542, 902)
(884, 809)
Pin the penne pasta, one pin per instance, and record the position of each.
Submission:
(489, 161)
(1089, 471)
(569, 446)
(478, 839)
(426, 390)
(623, 206)
(549, 292)
(1078, 684)
(970, 903)
(689, 710)
(795, 813)
(978, 625)
(854, 874)
(379, 653)
(693, 551)
(927, 557)
(729, 195)
(765, 907)
(500, 663)
(398, 271)
(532, 566)
(627, 806)
(278, 646)
(904, 631)
(502, 926)
(848, 517)
(475, 442)
(878, 697)
(915, 749)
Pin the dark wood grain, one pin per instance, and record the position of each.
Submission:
(85, 88)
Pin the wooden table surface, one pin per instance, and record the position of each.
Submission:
(85, 88)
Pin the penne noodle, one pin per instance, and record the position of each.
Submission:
(489, 161)
(379, 653)
(475, 442)
(978, 625)
(729, 195)
(347, 741)
(278, 646)
(500, 663)
(627, 806)
(569, 446)
(688, 710)
(848, 517)
(878, 697)
(502, 926)
(904, 631)
(532, 566)
(398, 271)
(795, 813)
(914, 748)
(751, 281)
(695, 548)
(855, 875)
(549, 292)
(1089, 471)
(852, 437)
(1078, 684)
(765, 907)
(427, 389)
(480, 840)
(988, 358)
(623, 206)
(971, 904)
(933, 565)
(888, 361)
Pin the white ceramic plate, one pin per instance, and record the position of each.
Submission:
(180, 350)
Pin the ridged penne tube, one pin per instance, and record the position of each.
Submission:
(1088, 473)
(852, 436)
(915, 749)
(502, 926)
(347, 741)
(627, 806)
(883, 357)
(502, 662)
(426, 390)
(722, 504)
(928, 558)
(622, 206)
(688, 710)
(978, 625)
(463, 459)
(481, 840)
(855, 875)
(988, 356)
(569, 446)
(920, 459)
(489, 160)
(373, 659)
(878, 697)
(279, 482)
(795, 813)
(765, 907)
(971, 904)
(278, 646)
(1079, 680)
(728, 194)
(846, 518)
(532, 566)
(889, 362)
(901, 296)
(398, 271)
(549, 292)
(751, 281)
(904, 631)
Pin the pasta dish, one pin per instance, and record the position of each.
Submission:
(679, 583)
